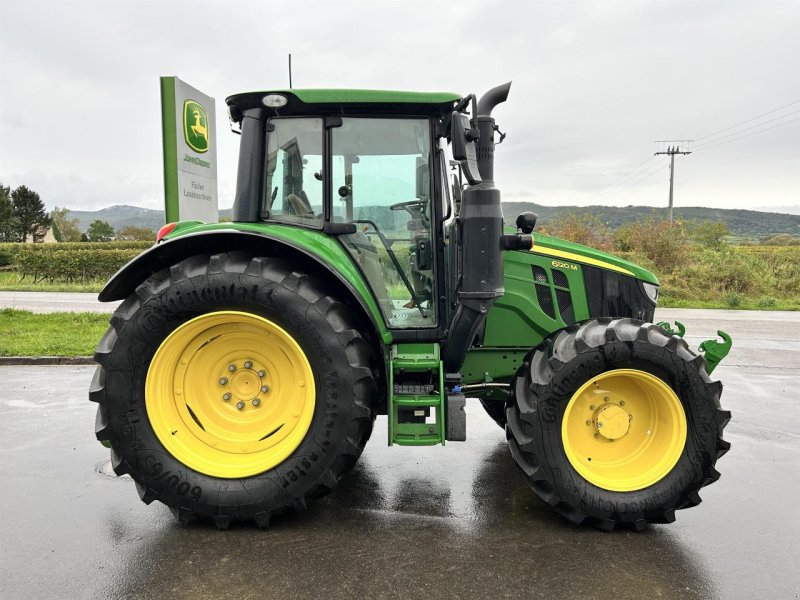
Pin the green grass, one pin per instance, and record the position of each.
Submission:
(10, 281)
(23, 333)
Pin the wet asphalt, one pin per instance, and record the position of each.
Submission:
(452, 522)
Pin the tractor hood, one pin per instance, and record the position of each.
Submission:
(572, 252)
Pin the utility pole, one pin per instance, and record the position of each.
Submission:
(672, 151)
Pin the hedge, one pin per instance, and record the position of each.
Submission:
(71, 261)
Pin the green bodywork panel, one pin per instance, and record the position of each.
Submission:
(411, 365)
(590, 256)
(340, 96)
(321, 245)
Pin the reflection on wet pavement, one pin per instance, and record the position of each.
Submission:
(448, 522)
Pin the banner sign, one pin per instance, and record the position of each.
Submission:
(190, 153)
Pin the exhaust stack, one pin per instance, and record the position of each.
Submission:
(480, 240)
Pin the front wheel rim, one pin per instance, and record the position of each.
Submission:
(230, 394)
(624, 430)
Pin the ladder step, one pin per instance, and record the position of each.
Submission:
(417, 400)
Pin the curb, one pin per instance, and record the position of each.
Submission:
(46, 360)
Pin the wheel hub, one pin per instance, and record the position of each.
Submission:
(612, 421)
(245, 384)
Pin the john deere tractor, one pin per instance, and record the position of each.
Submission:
(367, 273)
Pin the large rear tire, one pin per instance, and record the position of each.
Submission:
(234, 388)
(616, 422)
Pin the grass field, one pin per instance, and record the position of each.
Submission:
(23, 333)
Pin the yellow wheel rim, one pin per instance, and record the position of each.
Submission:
(230, 394)
(624, 430)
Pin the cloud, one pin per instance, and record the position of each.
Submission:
(594, 84)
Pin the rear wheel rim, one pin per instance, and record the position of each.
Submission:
(230, 394)
(624, 430)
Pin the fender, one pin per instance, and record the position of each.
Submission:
(312, 251)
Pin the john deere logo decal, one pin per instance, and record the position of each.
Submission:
(195, 126)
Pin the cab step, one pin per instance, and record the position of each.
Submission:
(416, 395)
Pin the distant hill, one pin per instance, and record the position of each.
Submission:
(742, 223)
(121, 215)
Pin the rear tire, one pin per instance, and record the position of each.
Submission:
(326, 330)
(597, 350)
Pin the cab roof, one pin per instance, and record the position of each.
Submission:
(337, 101)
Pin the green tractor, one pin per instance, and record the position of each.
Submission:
(365, 273)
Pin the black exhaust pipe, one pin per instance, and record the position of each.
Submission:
(486, 126)
(480, 233)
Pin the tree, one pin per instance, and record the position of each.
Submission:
(8, 222)
(131, 233)
(100, 231)
(29, 211)
(66, 227)
(710, 234)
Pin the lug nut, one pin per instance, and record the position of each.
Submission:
(265, 388)
(226, 396)
(256, 401)
(622, 402)
(240, 405)
(591, 407)
(248, 364)
(223, 380)
(261, 373)
(588, 422)
(231, 368)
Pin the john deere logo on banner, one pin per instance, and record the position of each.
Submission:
(190, 153)
(195, 126)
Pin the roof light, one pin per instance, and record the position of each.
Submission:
(165, 229)
(274, 101)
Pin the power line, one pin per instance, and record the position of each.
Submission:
(713, 141)
(749, 120)
(652, 170)
(748, 135)
(620, 180)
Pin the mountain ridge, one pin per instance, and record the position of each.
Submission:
(740, 222)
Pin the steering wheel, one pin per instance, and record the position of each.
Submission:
(408, 204)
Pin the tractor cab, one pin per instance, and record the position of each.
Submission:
(368, 167)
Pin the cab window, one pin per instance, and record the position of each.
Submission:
(293, 189)
(381, 182)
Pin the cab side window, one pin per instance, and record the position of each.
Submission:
(293, 190)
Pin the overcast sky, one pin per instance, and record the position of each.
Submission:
(594, 85)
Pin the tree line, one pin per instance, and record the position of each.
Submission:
(23, 214)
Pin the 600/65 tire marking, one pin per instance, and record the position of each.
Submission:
(158, 473)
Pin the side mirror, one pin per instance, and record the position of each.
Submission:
(526, 222)
(464, 147)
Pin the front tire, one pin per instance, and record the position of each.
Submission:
(234, 388)
(616, 422)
